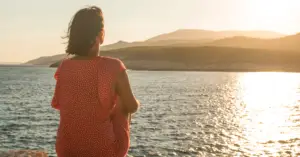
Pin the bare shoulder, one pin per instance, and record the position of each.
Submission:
(112, 61)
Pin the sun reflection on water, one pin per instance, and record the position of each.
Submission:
(269, 102)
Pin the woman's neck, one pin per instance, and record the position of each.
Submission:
(93, 53)
(89, 56)
(83, 57)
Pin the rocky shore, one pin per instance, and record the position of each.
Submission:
(23, 153)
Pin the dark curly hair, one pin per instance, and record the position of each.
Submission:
(83, 29)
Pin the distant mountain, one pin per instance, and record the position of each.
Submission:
(117, 45)
(206, 58)
(9, 63)
(189, 38)
(289, 43)
(123, 44)
(46, 60)
(190, 34)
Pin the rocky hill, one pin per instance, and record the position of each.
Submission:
(288, 43)
(205, 59)
(204, 50)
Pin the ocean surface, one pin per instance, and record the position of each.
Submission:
(181, 114)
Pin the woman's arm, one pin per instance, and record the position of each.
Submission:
(123, 89)
(54, 102)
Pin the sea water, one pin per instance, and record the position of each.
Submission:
(181, 114)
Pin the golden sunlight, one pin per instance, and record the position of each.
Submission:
(269, 100)
(269, 14)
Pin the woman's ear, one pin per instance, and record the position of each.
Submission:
(101, 37)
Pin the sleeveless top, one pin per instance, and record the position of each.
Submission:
(85, 97)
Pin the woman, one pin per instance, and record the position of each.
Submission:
(86, 92)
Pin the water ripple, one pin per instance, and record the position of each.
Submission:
(182, 113)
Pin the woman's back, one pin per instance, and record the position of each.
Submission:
(86, 90)
(85, 96)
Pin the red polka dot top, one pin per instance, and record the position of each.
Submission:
(85, 97)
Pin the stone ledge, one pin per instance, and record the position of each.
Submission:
(23, 153)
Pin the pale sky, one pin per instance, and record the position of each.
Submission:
(33, 28)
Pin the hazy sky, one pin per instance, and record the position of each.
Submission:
(33, 28)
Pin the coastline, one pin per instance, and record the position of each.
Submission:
(217, 70)
(208, 59)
